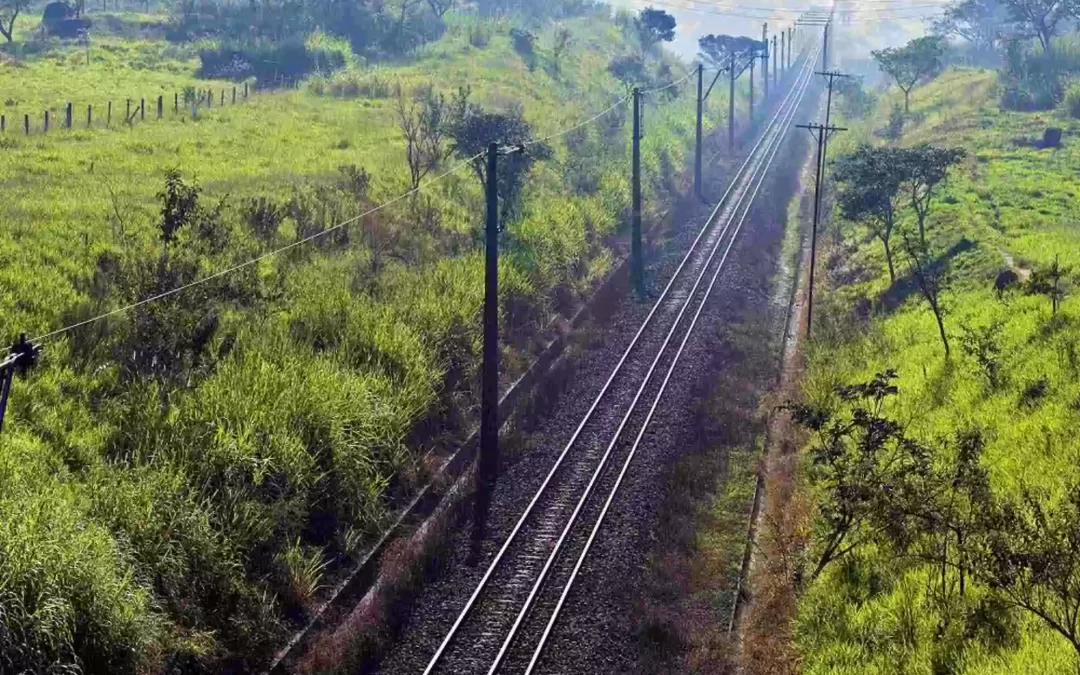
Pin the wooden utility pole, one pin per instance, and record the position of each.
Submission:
(825, 49)
(774, 63)
(697, 137)
(832, 77)
(820, 133)
(752, 61)
(731, 107)
(764, 62)
(784, 64)
(637, 264)
(489, 379)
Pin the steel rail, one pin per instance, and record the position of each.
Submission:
(777, 133)
(538, 651)
(493, 566)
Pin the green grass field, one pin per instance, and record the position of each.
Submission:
(1014, 202)
(186, 512)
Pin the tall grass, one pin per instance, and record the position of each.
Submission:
(153, 521)
(873, 613)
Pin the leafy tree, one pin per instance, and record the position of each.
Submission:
(925, 167)
(9, 12)
(524, 43)
(979, 22)
(931, 277)
(870, 181)
(560, 43)
(440, 7)
(653, 27)
(630, 70)
(423, 121)
(894, 130)
(860, 461)
(718, 50)
(981, 344)
(1049, 281)
(1032, 557)
(855, 101)
(474, 128)
(1041, 18)
(911, 63)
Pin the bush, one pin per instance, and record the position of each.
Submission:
(895, 130)
(524, 44)
(479, 34)
(353, 84)
(1030, 81)
(270, 64)
(1072, 101)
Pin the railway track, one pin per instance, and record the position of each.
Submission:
(507, 622)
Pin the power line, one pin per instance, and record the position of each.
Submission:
(765, 16)
(253, 261)
(802, 10)
(670, 84)
(590, 120)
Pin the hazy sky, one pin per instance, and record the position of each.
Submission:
(691, 25)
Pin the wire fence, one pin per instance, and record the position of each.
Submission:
(131, 111)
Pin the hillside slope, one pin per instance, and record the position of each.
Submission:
(178, 482)
(1009, 205)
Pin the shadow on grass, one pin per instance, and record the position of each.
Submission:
(905, 286)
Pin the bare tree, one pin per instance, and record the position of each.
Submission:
(440, 7)
(926, 167)
(423, 120)
(1033, 557)
(1041, 18)
(907, 65)
(930, 276)
(9, 12)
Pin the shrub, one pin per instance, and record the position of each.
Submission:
(479, 34)
(1072, 101)
(524, 44)
(271, 64)
(895, 129)
(1034, 392)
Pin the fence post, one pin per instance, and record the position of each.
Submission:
(175, 102)
(89, 115)
(108, 117)
(142, 108)
(222, 97)
(26, 124)
(67, 116)
(245, 90)
(46, 120)
(234, 94)
(127, 114)
(3, 122)
(160, 106)
(209, 98)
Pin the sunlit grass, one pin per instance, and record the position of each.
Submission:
(1010, 199)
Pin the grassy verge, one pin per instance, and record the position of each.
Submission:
(181, 482)
(1010, 202)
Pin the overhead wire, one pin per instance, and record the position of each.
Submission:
(253, 261)
(670, 84)
(588, 121)
(767, 16)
